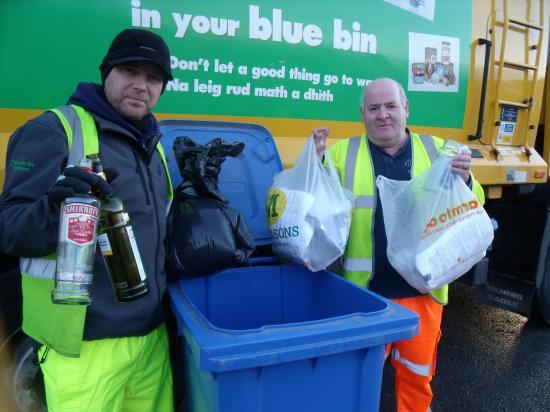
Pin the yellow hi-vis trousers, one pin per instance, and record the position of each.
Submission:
(119, 374)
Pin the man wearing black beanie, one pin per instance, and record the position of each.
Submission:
(107, 356)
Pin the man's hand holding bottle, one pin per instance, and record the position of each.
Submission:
(76, 180)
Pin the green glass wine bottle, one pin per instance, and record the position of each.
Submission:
(119, 247)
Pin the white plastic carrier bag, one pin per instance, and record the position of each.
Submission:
(309, 212)
(435, 226)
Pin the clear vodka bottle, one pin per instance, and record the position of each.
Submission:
(76, 248)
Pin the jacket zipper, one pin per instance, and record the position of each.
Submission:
(148, 188)
(139, 171)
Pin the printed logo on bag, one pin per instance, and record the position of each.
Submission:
(451, 216)
(275, 205)
(285, 232)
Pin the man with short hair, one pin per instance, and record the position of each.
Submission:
(108, 356)
(389, 149)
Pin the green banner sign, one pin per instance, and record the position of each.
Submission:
(304, 60)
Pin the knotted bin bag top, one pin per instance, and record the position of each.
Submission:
(204, 234)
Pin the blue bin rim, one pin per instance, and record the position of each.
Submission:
(223, 349)
(215, 123)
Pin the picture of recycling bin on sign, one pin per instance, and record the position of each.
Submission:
(433, 63)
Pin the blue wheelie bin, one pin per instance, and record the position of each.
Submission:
(271, 336)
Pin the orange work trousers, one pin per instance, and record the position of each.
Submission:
(414, 359)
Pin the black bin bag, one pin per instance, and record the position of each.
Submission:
(204, 235)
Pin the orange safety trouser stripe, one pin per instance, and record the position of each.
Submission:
(414, 359)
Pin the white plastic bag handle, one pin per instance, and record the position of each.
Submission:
(330, 169)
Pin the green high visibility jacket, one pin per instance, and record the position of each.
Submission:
(352, 159)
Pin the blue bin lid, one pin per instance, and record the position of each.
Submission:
(243, 180)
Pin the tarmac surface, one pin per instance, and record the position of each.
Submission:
(488, 360)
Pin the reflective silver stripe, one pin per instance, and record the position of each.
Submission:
(44, 268)
(76, 153)
(364, 202)
(38, 267)
(358, 264)
(351, 161)
(429, 145)
(422, 370)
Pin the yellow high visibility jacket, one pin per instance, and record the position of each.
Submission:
(353, 161)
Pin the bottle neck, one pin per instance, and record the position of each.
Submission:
(111, 203)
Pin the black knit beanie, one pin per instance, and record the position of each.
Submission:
(137, 45)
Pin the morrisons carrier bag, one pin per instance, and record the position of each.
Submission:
(436, 227)
(309, 212)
